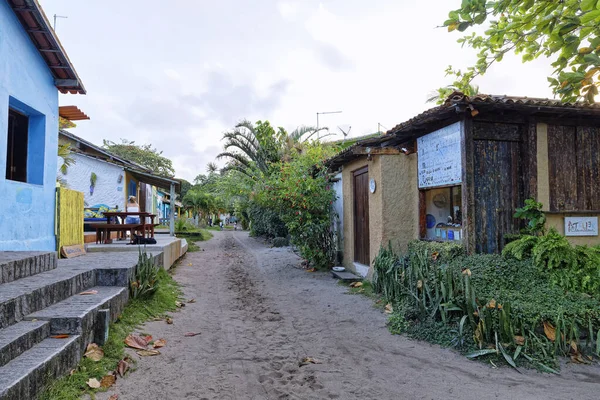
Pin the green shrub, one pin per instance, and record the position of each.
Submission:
(265, 222)
(532, 213)
(482, 301)
(445, 251)
(280, 242)
(181, 225)
(144, 281)
(572, 268)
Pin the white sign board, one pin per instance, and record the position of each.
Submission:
(439, 157)
(581, 226)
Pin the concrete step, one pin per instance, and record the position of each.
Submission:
(24, 377)
(346, 276)
(21, 264)
(20, 337)
(27, 295)
(78, 314)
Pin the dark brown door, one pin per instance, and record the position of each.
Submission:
(361, 216)
(498, 192)
(142, 199)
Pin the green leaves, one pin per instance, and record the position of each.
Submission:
(588, 5)
(532, 28)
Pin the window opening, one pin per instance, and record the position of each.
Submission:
(16, 154)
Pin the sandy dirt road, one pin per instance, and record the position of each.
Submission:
(259, 314)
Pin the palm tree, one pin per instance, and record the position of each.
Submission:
(249, 148)
(298, 137)
(66, 154)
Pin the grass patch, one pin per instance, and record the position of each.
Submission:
(135, 313)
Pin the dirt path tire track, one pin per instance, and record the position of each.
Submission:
(260, 314)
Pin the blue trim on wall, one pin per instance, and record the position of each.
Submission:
(36, 140)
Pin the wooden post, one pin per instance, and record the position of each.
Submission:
(468, 184)
(172, 216)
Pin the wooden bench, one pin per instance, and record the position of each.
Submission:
(103, 230)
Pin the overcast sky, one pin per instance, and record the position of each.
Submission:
(179, 73)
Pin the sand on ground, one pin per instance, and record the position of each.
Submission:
(259, 314)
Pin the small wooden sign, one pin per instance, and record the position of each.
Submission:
(581, 226)
(72, 251)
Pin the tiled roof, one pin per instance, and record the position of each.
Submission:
(457, 99)
(36, 24)
(449, 111)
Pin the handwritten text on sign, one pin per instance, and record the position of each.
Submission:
(439, 157)
(581, 226)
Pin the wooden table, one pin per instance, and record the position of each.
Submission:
(103, 230)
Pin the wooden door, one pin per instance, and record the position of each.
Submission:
(142, 199)
(361, 216)
(498, 192)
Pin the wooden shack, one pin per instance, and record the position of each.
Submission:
(458, 172)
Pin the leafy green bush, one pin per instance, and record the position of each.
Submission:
(532, 213)
(181, 225)
(265, 222)
(300, 191)
(572, 268)
(280, 242)
(144, 281)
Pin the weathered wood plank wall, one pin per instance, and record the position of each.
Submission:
(498, 183)
(574, 168)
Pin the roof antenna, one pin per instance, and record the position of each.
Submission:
(345, 133)
(57, 16)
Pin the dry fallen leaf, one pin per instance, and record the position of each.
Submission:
(190, 334)
(89, 292)
(108, 381)
(311, 270)
(309, 360)
(388, 308)
(550, 331)
(145, 353)
(159, 343)
(59, 336)
(72, 372)
(122, 367)
(169, 320)
(189, 264)
(148, 338)
(356, 284)
(114, 397)
(136, 342)
(93, 383)
(519, 340)
(192, 301)
(94, 352)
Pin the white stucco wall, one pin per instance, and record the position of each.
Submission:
(107, 191)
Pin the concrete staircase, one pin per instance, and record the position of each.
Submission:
(40, 298)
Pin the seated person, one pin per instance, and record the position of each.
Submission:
(132, 206)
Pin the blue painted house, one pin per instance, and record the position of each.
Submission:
(33, 69)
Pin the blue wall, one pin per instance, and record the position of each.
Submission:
(27, 209)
